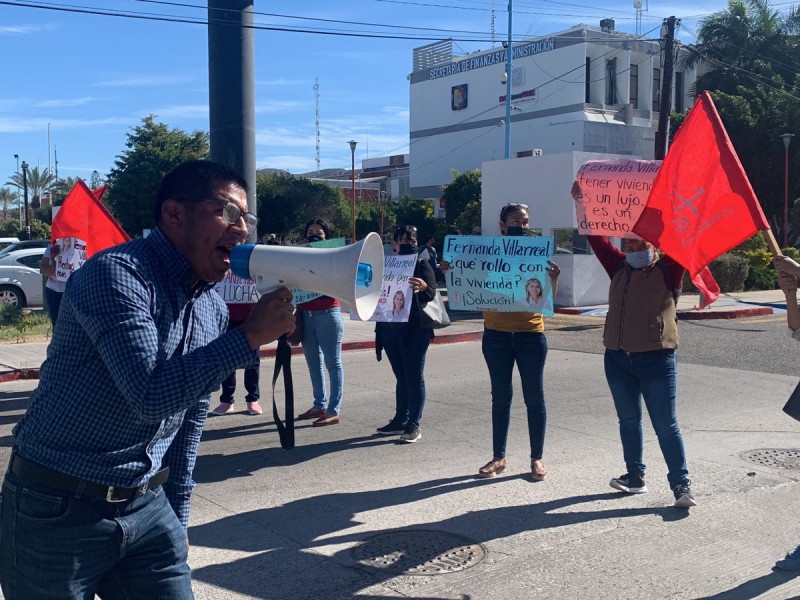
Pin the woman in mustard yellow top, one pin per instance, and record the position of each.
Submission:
(516, 337)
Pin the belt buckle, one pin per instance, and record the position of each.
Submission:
(110, 497)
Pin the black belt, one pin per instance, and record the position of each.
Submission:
(76, 486)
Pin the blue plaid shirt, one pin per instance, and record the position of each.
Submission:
(129, 372)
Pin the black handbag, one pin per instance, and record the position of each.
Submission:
(434, 314)
(792, 406)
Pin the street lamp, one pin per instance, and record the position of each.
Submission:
(25, 195)
(353, 183)
(16, 156)
(787, 138)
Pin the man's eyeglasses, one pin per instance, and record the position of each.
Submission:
(511, 206)
(231, 213)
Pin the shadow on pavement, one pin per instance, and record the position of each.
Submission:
(754, 587)
(284, 538)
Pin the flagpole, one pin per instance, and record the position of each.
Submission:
(772, 243)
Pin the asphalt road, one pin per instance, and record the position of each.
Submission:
(750, 344)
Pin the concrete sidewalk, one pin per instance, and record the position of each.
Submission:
(22, 361)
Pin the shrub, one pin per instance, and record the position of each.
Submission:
(10, 315)
(792, 253)
(730, 272)
(761, 276)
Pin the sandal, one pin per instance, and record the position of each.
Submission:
(538, 471)
(493, 468)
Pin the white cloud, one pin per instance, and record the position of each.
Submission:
(63, 102)
(144, 81)
(24, 29)
(16, 125)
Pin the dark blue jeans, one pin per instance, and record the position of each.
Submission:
(632, 376)
(251, 375)
(53, 303)
(406, 348)
(529, 350)
(58, 547)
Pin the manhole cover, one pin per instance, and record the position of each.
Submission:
(419, 552)
(774, 457)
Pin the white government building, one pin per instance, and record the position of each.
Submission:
(582, 94)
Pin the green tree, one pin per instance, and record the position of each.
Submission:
(95, 181)
(62, 188)
(7, 198)
(153, 149)
(418, 213)
(38, 183)
(287, 202)
(465, 188)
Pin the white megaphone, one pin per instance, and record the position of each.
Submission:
(352, 274)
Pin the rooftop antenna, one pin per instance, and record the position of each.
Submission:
(637, 4)
(316, 97)
(493, 17)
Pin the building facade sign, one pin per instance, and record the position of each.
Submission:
(493, 58)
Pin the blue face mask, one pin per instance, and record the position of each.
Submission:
(640, 259)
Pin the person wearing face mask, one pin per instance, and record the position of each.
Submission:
(516, 337)
(641, 338)
(406, 344)
(323, 331)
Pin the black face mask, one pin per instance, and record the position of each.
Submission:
(407, 248)
(514, 230)
(315, 238)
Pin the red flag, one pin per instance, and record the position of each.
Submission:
(707, 286)
(83, 216)
(98, 192)
(701, 204)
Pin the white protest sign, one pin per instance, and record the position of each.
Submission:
(613, 195)
(71, 257)
(236, 290)
(396, 297)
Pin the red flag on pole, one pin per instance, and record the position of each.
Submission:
(701, 204)
(83, 216)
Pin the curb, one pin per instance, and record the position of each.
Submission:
(693, 315)
(18, 374)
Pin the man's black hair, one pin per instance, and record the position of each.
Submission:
(193, 181)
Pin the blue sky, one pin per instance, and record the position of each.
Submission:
(93, 77)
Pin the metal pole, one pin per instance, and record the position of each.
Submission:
(231, 90)
(508, 84)
(666, 90)
(787, 138)
(19, 191)
(25, 196)
(353, 183)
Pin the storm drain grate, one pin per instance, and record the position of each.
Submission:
(780, 458)
(419, 552)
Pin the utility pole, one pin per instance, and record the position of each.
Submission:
(662, 135)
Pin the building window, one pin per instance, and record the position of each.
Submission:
(656, 90)
(611, 81)
(679, 92)
(569, 241)
(634, 96)
(588, 86)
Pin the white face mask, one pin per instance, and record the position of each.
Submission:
(640, 259)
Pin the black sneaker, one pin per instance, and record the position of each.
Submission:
(683, 495)
(410, 435)
(630, 484)
(393, 428)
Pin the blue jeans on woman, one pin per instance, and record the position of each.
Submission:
(651, 375)
(529, 350)
(406, 348)
(53, 299)
(58, 547)
(323, 331)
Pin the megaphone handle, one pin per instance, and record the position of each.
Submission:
(283, 361)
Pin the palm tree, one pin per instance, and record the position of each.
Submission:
(39, 182)
(7, 197)
(747, 44)
(61, 188)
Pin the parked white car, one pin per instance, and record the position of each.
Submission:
(21, 284)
